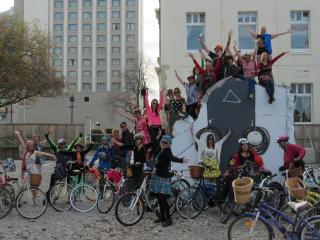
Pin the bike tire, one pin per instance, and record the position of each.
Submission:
(235, 230)
(310, 229)
(60, 197)
(106, 199)
(83, 198)
(31, 203)
(227, 208)
(126, 201)
(190, 198)
(180, 184)
(9, 187)
(6, 202)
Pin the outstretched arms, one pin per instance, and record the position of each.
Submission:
(274, 35)
(178, 77)
(226, 136)
(203, 45)
(226, 49)
(277, 58)
(252, 33)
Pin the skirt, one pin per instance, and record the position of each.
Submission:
(160, 185)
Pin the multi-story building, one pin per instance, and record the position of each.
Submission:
(95, 45)
(182, 21)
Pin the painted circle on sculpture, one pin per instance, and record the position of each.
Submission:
(204, 132)
(259, 138)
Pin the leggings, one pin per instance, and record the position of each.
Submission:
(164, 206)
(269, 86)
(154, 131)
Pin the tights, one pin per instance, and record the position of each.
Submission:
(164, 206)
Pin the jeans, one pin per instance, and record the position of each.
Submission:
(251, 82)
(269, 85)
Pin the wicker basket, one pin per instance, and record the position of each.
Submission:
(91, 178)
(35, 180)
(296, 188)
(196, 171)
(242, 188)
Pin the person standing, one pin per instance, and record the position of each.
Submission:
(176, 106)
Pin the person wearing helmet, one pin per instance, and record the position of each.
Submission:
(293, 154)
(61, 143)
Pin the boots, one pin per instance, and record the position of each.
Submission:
(167, 222)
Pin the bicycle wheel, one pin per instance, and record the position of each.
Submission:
(60, 197)
(129, 210)
(9, 187)
(310, 230)
(180, 184)
(106, 199)
(6, 202)
(288, 212)
(83, 198)
(31, 203)
(245, 227)
(227, 208)
(313, 211)
(190, 203)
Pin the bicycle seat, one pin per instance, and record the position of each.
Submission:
(298, 206)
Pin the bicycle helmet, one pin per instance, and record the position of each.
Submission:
(106, 139)
(138, 136)
(243, 141)
(282, 139)
(61, 141)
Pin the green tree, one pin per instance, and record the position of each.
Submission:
(25, 63)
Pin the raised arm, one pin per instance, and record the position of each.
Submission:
(229, 40)
(51, 143)
(71, 145)
(275, 35)
(45, 155)
(226, 136)
(203, 45)
(161, 99)
(21, 140)
(252, 33)
(277, 58)
(254, 55)
(126, 115)
(94, 158)
(200, 69)
(178, 77)
(237, 52)
(146, 99)
(89, 147)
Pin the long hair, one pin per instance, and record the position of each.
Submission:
(211, 136)
(155, 110)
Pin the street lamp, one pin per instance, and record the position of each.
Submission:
(71, 100)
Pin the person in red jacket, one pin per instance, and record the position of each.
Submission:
(293, 153)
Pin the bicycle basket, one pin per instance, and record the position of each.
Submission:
(35, 179)
(296, 188)
(9, 165)
(92, 176)
(196, 171)
(242, 188)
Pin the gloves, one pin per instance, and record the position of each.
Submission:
(80, 134)
(281, 169)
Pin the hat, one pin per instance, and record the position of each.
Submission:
(167, 139)
(243, 141)
(218, 46)
(282, 139)
(191, 77)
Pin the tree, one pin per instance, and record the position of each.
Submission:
(25, 63)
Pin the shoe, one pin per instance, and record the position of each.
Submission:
(167, 222)
(272, 99)
(251, 96)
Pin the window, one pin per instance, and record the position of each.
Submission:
(116, 14)
(115, 38)
(303, 101)
(58, 15)
(101, 15)
(58, 51)
(73, 15)
(115, 86)
(101, 86)
(87, 38)
(58, 27)
(130, 61)
(195, 26)
(115, 73)
(115, 50)
(130, 73)
(72, 50)
(57, 62)
(86, 15)
(72, 86)
(58, 4)
(86, 50)
(115, 61)
(101, 38)
(86, 74)
(131, 38)
(245, 39)
(101, 50)
(86, 86)
(101, 74)
(115, 26)
(72, 74)
(57, 39)
(86, 62)
(101, 62)
(73, 4)
(101, 26)
(86, 3)
(130, 50)
(86, 99)
(115, 3)
(86, 27)
(72, 27)
(130, 26)
(300, 29)
(130, 14)
(58, 74)
(72, 38)
(72, 62)
(101, 3)
(131, 2)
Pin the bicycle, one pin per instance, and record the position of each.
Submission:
(6, 202)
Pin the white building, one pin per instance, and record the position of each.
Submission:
(181, 22)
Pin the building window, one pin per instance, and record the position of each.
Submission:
(101, 50)
(116, 3)
(246, 19)
(72, 50)
(86, 3)
(73, 15)
(101, 74)
(115, 26)
(86, 15)
(58, 15)
(72, 62)
(115, 86)
(115, 61)
(72, 74)
(300, 29)
(303, 101)
(86, 27)
(101, 38)
(101, 26)
(131, 14)
(130, 73)
(86, 99)
(115, 50)
(101, 62)
(130, 61)
(130, 26)
(131, 2)
(195, 26)
(58, 74)
(86, 74)
(57, 62)
(101, 3)
(101, 86)
(72, 27)
(86, 62)
(58, 4)
(115, 73)
(87, 38)
(115, 14)
(131, 38)
(130, 50)
(72, 38)
(72, 86)
(86, 86)
(101, 15)
(58, 27)
(86, 50)
(73, 4)
(58, 51)
(57, 39)
(115, 38)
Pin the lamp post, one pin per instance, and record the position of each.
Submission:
(71, 100)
